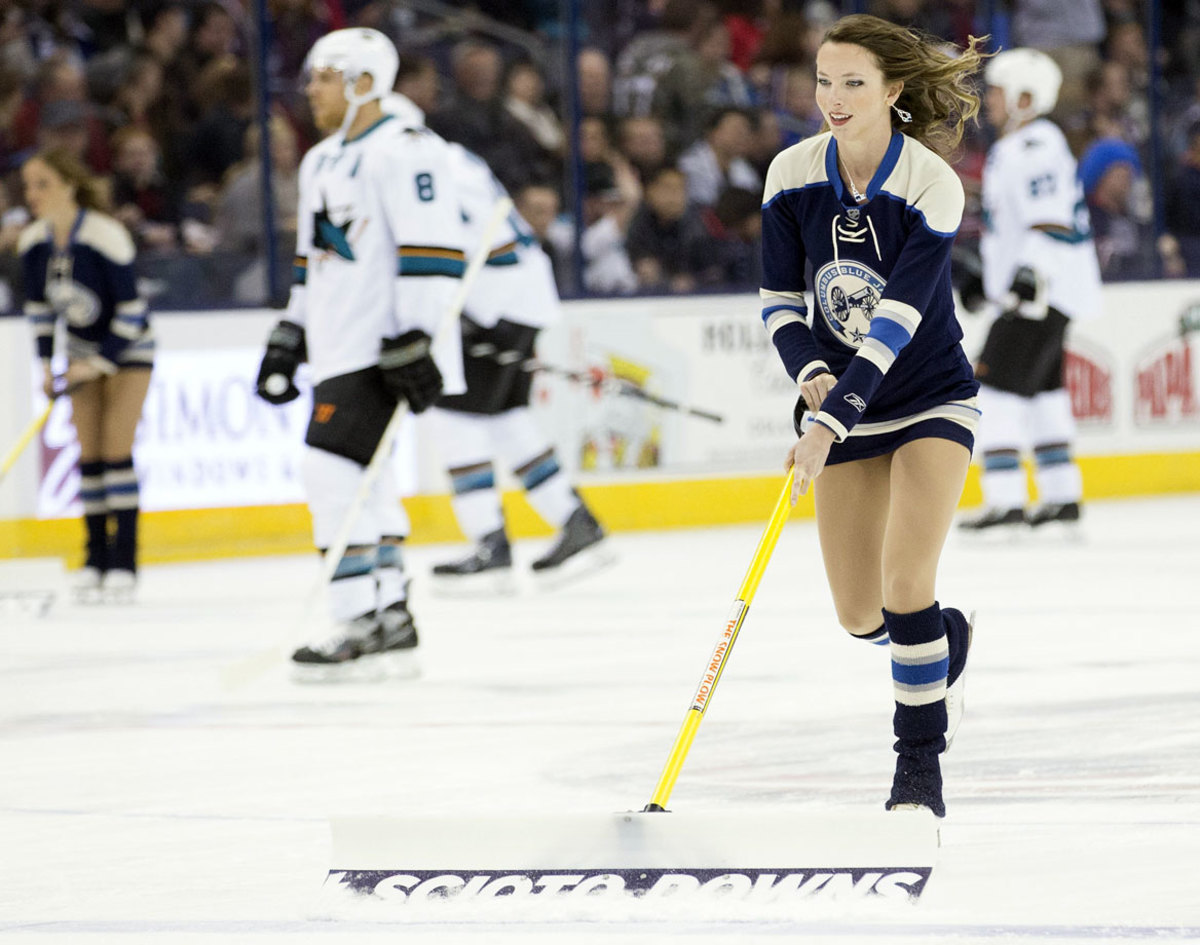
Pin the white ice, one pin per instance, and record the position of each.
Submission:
(141, 800)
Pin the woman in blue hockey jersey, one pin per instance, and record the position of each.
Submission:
(886, 411)
(78, 267)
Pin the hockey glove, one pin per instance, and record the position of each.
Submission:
(1027, 295)
(409, 370)
(966, 272)
(285, 352)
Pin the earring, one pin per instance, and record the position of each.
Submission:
(904, 116)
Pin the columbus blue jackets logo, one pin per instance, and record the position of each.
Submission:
(847, 294)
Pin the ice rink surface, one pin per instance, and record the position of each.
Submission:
(142, 800)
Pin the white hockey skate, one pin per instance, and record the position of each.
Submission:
(120, 587)
(954, 692)
(87, 585)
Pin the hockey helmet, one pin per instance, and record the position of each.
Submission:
(356, 52)
(1025, 70)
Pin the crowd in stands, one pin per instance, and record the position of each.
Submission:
(681, 105)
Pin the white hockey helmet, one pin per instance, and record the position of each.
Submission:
(356, 52)
(1025, 70)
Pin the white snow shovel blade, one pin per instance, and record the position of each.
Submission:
(776, 859)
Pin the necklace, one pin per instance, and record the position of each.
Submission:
(854, 192)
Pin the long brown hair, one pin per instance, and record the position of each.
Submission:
(90, 192)
(938, 91)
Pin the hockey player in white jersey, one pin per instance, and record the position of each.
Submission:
(1039, 268)
(511, 301)
(379, 252)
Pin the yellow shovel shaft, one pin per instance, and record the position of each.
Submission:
(10, 458)
(720, 655)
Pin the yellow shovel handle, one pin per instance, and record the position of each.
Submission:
(720, 654)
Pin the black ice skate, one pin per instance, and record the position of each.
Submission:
(996, 521)
(392, 645)
(1067, 513)
(486, 570)
(918, 780)
(336, 657)
(578, 550)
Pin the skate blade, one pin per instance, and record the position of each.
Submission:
(87, 596)
(500, 582)
(1063, 532)
(396, 664)
(372, 668)
(592, 559)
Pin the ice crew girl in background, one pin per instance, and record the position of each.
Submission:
(77, 264)
(873, 208)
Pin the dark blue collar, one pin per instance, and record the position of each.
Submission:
(886, 166)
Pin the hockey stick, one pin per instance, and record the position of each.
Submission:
(720, 654)
(597, 379)
(31, 431)
(621, 387)
(250, 668)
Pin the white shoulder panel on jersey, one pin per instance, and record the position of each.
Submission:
(107, 236)
(798, 166)
(929, 185)
(36, 232)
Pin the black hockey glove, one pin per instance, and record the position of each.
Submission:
(409, 370)
(285, 352)
(1027, 295)
(966, 272)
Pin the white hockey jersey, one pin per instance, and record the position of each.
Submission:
(380, 248)
(518, 281)
(1030, 180)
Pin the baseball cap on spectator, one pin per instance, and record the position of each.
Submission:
(600, 181)
(1102, 155)
(63, 114)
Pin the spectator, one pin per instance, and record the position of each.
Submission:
(213, 37)
(1109, 170)
(668, 243)
(11, 94)
(651, 54)
(736, 226)
(1070, 34)
(699, 84)
(61, 79)
(142, 197)
(474, 115)
(799, 116)
(418, 80)
(1183, 221)
(595, 83)
(538, 205)
(719, 159)
(644, 144)
(525, 99)
(218, 138)
(238, 217)
(606, 213)
(13, 218)
(64, 126)
(166, 33)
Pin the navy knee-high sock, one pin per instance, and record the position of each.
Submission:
(95, 514)
(920, 661)
(121, 491)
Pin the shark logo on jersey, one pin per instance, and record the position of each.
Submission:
(847, 294)
(332, 237)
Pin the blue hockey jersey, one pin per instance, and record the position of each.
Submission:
(90, 283)
(884, 322)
